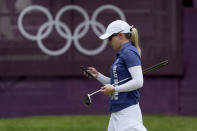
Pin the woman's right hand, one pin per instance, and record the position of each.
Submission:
(92, 71)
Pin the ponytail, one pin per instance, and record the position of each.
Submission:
(134, 38)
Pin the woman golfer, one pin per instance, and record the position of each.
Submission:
(124, 97)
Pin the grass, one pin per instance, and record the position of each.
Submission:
(94, 123)
(170, 123)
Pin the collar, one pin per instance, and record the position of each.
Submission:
(124, 47)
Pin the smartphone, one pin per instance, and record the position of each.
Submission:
(84, 69)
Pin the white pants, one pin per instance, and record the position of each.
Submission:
(128, 119)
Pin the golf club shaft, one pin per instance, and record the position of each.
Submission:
(95, 92)
(112, 85)
(144, 71)
(155, 66)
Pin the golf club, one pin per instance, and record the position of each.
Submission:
(87, 98)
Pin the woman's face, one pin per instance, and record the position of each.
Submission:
(114, 42)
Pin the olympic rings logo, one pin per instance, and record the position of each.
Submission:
(66, 34)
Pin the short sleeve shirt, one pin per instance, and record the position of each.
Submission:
(127, 57)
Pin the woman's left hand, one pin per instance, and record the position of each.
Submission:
(107, 89)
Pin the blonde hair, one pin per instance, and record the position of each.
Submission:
(134, 37)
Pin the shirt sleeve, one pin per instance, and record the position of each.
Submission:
(135, 83)
(131, 58)
(103, 79)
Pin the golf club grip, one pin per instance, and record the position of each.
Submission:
(155, 66)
